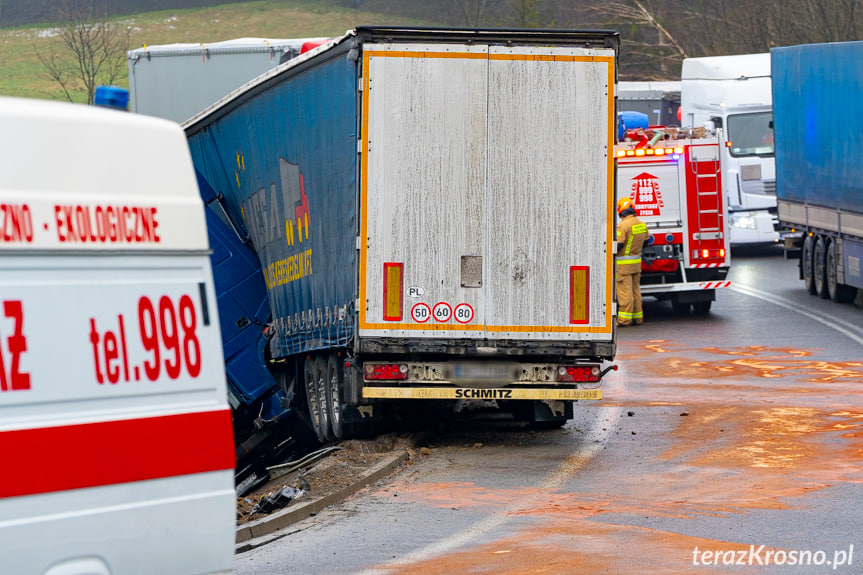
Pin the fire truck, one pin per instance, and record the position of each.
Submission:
(673, 176)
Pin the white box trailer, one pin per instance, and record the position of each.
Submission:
(176, 81)
(434, 211)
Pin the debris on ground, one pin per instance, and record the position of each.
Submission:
(322, 476)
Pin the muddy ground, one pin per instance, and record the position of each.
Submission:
(329, 475)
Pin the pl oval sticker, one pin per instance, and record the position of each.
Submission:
(416, 291)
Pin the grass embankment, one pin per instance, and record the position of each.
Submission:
(22, 74)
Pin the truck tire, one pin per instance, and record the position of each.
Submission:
(819, 267)
(701, 307)
(313, 400)
(538, 416)
(840, 293)
(806, 258)
(679, 307)
(321, 374)
(334, 393)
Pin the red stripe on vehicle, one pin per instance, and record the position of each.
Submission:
(48, 459)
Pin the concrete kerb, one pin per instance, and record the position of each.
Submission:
(260, 532)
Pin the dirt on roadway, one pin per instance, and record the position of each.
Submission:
(329, 475)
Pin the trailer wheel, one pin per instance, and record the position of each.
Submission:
(819, 266)
(323, 383)
(313, 398)
(701, 307)
(840, 293)
(334, 393)
(679, 307)
(806, 264)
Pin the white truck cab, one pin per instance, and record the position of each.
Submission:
(734, 93)
(115, 428)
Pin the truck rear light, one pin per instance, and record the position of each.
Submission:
(678, 150)
(707, 254)
(578, 373)
(393, 273)
(579, 294)
(386, 371)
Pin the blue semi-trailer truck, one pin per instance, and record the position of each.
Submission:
(432, 216)
(819, 175)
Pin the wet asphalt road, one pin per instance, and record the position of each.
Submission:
(731, 443)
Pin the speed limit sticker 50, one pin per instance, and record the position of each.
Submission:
(421, 313)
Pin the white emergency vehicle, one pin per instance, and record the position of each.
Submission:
(116, 434)
(674, 177)
(734, 93)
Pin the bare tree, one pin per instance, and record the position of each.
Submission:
(650, 47)
(657, 34)
(88, 49)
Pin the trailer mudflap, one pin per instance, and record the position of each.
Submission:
(480, 393)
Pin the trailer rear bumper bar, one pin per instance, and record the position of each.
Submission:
(479, 393)
(683, 287)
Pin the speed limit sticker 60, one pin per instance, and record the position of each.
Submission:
(442, 311)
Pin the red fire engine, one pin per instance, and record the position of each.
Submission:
(673, 176)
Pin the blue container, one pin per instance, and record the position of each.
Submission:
(817, 90)
(112, 97)
(630, 121)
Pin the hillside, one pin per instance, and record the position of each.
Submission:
(22, 75)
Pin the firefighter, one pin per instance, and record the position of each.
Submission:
(631, 236)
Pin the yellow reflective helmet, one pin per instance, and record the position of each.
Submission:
(624, 204)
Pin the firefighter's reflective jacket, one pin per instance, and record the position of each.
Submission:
(631, 235)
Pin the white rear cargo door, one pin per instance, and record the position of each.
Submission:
(487, 192)
(550, 193)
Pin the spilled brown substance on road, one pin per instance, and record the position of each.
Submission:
(584, 547)
(752, 428)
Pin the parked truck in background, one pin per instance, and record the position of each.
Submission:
(659, 100)
(734, 94)
(433, 211)
(676, 187)
(176, 81)
(819, 176)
